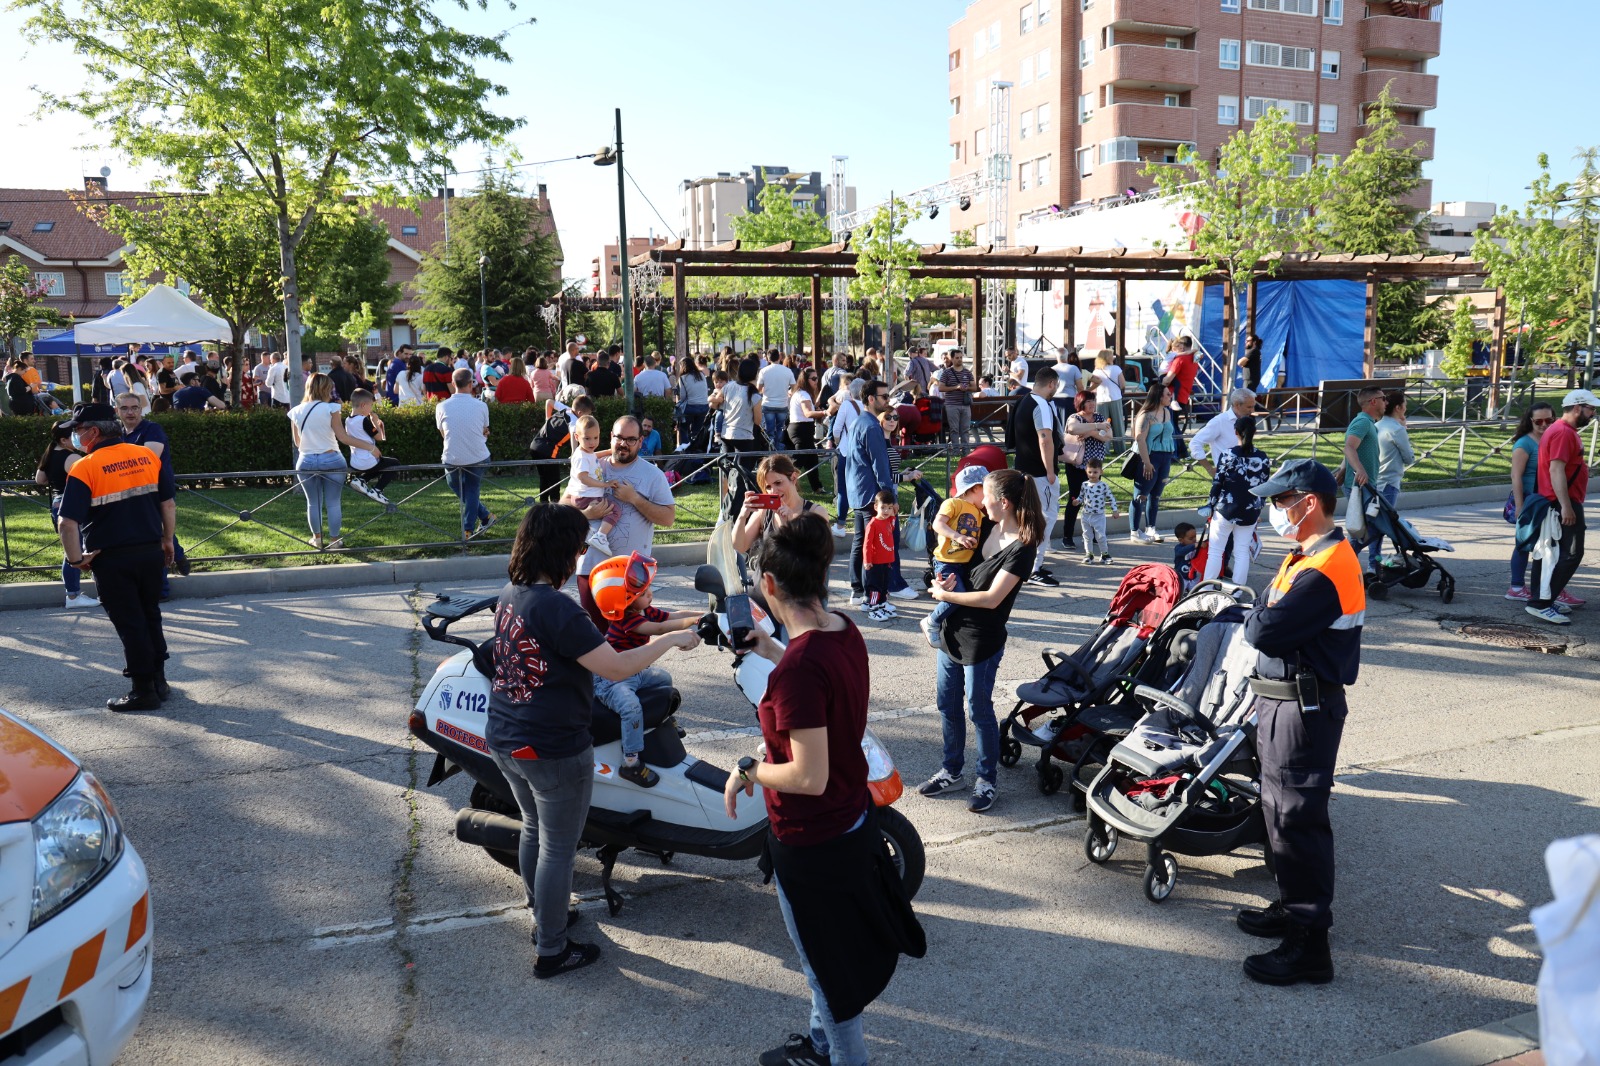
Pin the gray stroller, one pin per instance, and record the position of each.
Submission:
(1185, 780)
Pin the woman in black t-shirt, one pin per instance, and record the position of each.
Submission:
(972, 637)
(546, 655)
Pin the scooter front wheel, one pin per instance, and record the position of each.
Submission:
(905, 848)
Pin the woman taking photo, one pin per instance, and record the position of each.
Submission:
(1524, 483)
(842, 901)
(1087, 425)
(317, 426)
(803, 418)
(753, 529)
(1154, 440)
(972, 638)
(547, 654)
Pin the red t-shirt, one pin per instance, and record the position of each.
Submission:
(1183, 370)
(879, 547)
(1561, 442)
(822, 682)
(513, 389)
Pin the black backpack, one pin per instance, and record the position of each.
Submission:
(549, 438)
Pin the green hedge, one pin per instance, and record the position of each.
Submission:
(225, 441)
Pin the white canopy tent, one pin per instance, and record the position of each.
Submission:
(161, 316)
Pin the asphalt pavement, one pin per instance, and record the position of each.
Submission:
(311, 904)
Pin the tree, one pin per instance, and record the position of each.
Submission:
(1463, 335)
(1543, 268)
(347, 266)
(354, 330)
(883, 265)
(499, 222)
(22, 311)
(303, 96)
(1254, 205)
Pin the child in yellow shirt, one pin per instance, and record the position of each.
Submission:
(957, 525)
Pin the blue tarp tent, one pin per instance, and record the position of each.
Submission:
(67, 344)
(1311, 331)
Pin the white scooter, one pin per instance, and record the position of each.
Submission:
(684, 812)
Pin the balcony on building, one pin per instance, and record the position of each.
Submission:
(1148, 66)
(1408, 136)
(1400, 37)
(1410, 89)
(1149, 124)
(1155, 16)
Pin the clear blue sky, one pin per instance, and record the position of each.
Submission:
(794, 85)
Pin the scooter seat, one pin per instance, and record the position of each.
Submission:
(658, 705)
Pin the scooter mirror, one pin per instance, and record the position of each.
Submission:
(708, 579)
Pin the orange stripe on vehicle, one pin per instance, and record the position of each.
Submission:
(136, 922)
(83, 965)
(33, 770)
(10, 1000)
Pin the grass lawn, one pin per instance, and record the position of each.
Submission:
(426, 516)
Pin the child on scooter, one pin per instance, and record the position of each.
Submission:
(622, 592)
(957, 525)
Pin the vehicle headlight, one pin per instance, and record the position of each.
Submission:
(76, 839)
(879, 763)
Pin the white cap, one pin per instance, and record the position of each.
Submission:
(1577, 396)
(969, 476)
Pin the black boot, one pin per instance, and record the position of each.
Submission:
(142, 698)
(1303, 956)
(163, 690)
(1271, 922)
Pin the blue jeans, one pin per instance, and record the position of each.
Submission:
(1147, 494)
(627, 699)
(976, 685)
(941, 608)
(844, 1043)
(553, 795)
(841, 507)
(1390, 493)
(776, 423)
(465, 482)
(71, 576)
(322, 480)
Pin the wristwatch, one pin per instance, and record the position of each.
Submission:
(746, 764)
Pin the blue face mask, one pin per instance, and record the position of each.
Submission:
(77, 444)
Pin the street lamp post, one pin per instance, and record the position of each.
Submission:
(612, 156)
(483, 299)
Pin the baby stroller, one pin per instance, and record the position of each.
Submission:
(1042, 717)
(1413, 564)
(1185, 780)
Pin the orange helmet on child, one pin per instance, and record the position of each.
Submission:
(618, 581)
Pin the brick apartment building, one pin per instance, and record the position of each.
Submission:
(605, 269)
(1103, 87)
(710, 204)
(82, 262)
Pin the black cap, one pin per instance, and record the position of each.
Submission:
(90, 412)
(1301, 475)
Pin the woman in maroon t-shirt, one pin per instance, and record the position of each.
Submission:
(812, 719)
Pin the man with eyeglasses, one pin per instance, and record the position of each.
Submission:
(1564, 481)
(1307, 633)
(644, 497)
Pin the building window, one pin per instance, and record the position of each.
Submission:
(1267, 54)
(1043, 15)
(1085, 53)
(1330, 65)
(955, 105)
(117, 284)
(1299, 165)
(1043, 112)
(55, 283)
(1108, 37)
(1085, 162)
(1041, 171)
(408, 231)
(1327, 160)
(1025, 127)
(1227, 110)
(1085, 107)
(978, 40)
(1288, 7)
(1228, 54)
(1172, 100)
(1119, 150)
(1230, 6)
(994, 34)
(955, 150)
(1026, 77)
(374, 339)
(955, 59)
(1025, 19)
(1333, 12)
(1174, 42)
(1299, 111)
(980, 141)
(1328, 118)
(1043, 63)
(43, 227)
(1022, 177)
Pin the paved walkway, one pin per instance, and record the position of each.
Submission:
(312, 906)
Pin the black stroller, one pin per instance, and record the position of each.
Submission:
(1413, 564)
(1186, 779)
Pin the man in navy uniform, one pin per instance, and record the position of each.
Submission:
(1308, 634)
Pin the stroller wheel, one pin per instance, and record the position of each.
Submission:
(1100, 842)
(1447, 589)
(1050, 779)
(1010, 751)
(1160, 877)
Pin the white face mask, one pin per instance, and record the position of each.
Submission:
(1281, 524)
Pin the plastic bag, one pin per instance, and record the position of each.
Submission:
(915, 538)
(1355, 515)
(1568, 929)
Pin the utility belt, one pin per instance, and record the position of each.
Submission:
(1304, 689)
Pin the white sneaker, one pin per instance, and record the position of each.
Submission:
(81, 602)
(1152, 536)
(1139, 536)
(907, 593)
(840, 531)
(1549, 614)
(857, 599)
(599, 542)
(926, 625)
